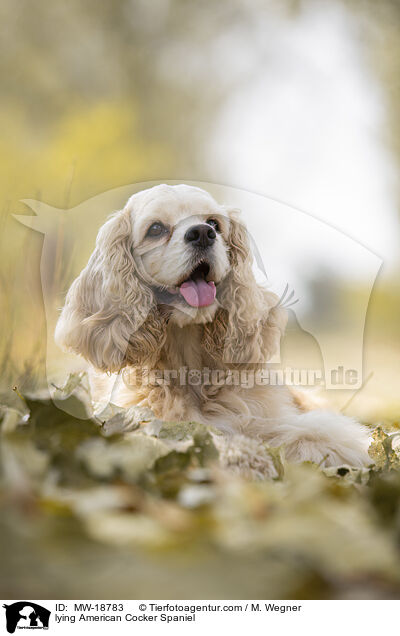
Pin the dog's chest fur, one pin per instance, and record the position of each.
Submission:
(183, 347)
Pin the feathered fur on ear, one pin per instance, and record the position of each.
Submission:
(110, 316)
(248, 326)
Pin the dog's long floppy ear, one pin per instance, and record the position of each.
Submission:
(249, 324)
(110, 315)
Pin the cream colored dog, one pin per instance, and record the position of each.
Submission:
(170, 286)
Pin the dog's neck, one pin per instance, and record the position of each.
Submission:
(183, 348)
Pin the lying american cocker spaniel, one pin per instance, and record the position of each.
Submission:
(170, 286)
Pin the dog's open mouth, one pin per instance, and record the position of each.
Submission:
(196, 290)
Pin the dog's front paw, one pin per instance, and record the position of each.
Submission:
(325, 438)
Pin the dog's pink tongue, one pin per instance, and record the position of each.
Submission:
(198, 293)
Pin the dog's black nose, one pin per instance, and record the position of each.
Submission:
(201, 235)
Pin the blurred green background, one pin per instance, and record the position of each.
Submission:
(297, 100)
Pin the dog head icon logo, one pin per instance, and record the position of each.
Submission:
(26, 615)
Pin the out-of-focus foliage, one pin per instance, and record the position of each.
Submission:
(100, 94)
(121, 504)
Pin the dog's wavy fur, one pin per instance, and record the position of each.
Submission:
(115, 317)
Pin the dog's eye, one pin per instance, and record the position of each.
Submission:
(156, 229)
(214, 223)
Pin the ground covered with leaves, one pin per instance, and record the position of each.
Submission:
(120, 505)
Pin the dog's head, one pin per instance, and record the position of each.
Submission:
(172, 254)
(180, 243)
